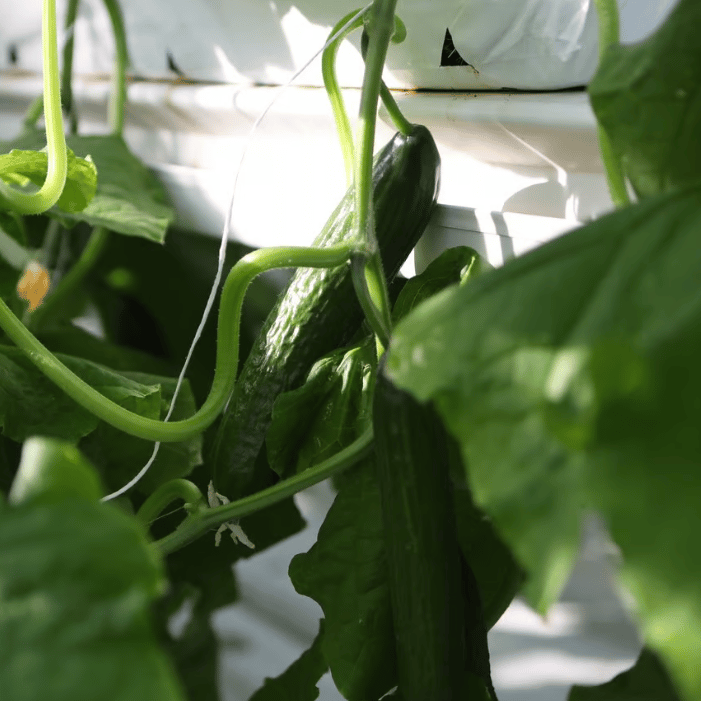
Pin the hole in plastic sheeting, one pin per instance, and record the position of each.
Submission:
(450, 55)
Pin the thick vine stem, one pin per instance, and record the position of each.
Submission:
(233, 293)
(609, 35)
(402, 124)
(201, 521)
(57, 169)
(371, 287)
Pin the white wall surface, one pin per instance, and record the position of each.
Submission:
(540, 44)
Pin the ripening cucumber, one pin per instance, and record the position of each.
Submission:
(439, 631)
(319, 311)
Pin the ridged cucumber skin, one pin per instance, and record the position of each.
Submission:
(435, 602)
(319, 311)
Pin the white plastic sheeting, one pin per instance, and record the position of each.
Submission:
(524, 44)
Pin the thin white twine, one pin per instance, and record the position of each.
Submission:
(222, 247)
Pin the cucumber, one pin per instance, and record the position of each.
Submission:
(441, 640)
(318, 311)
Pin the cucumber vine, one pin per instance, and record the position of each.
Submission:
(50, 191)
(362, 251)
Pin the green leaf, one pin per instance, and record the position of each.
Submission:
(647, 97)
(31, 404)
(345, 573)
(646, 681)
(453, 265)
(326, 414)
(299, 681)
(20, 167)
(120, 456)
(571, 379)
(51, 471)
(76, 581)
(129, 200)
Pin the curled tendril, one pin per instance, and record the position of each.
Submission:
(57, 169)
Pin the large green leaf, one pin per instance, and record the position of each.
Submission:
(22, 166)
(571, 378)
(647, 97)
(345, 573)
(647, 680)
(76, 581)
(299, 681)
(31, 404)
(129, 199)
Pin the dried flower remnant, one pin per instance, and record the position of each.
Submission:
(34, 284)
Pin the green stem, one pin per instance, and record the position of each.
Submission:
(57, 168)
(118, 96)
(99, 236)
(67, 75)
(609, 35)
(328, 71)
(166, 494)
(198, 523)
(609, 24)
(234, 290)
(614, 172)
(371, 287)
(72, 279)
(402, 124)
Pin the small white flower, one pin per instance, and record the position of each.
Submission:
(215, 499)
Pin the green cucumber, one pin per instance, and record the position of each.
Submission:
(318, 311)
(441, 640)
